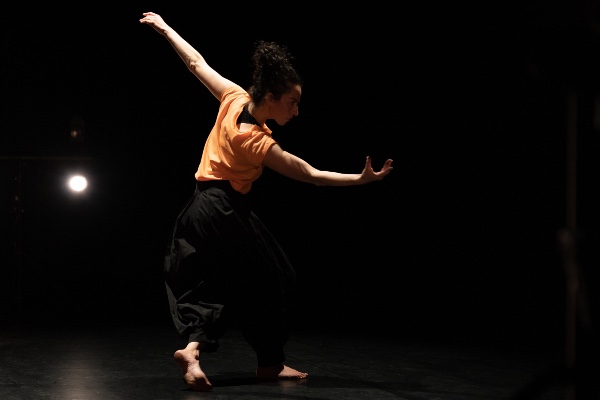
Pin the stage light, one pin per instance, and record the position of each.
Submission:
(77, 183)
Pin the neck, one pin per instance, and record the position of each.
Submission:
(257, 113)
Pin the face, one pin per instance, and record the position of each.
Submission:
(286, 108)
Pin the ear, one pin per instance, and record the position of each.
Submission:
(269, 98)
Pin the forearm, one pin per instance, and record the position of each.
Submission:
(329, 178)
(193, 60)
(296, 168)
(190, 56)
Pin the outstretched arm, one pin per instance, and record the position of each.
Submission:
(192, 58)
(296, 168)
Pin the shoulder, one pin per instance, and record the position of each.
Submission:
(234, 92)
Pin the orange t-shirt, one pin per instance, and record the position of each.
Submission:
(230, 154)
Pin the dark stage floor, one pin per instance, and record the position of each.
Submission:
(136, 363)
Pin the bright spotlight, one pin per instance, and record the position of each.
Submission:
(78, 183)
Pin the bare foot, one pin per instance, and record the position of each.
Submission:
(279, 372)
(193, 376)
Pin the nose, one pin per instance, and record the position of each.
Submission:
(296, 111)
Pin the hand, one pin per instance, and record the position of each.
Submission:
(155, 21)
(369, 175)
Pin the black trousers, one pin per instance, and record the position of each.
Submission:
(224, 267)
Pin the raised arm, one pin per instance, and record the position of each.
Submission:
(190, 56)
(296, 168)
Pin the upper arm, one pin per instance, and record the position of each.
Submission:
(288, 164)
(213, 81)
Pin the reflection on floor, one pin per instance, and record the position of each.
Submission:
(137, 363)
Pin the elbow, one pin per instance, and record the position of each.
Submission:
(318, 180)
(194, 64)
(315, 178)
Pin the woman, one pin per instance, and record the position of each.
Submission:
(223, 265)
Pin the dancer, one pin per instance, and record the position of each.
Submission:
(223, 265)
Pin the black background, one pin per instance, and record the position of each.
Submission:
(460, 240)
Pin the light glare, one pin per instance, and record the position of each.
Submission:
(77, 183)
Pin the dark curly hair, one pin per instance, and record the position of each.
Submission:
(273, 71)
